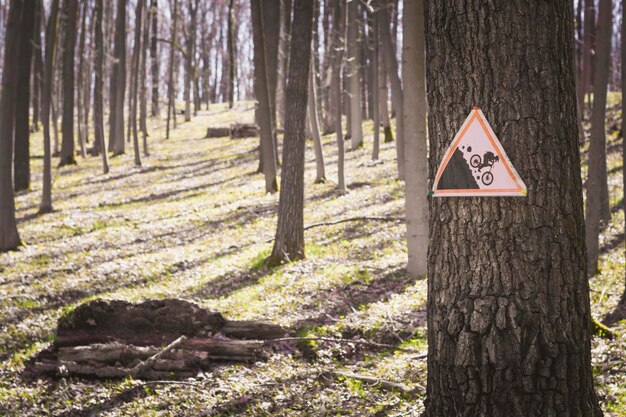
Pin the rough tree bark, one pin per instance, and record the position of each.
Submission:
(118, 83)
(354, 75)
(21, 164)
(508, 297)
(391, 64)
(289, 242)
(69, 45)
(597, 143)
(283, 60)
(268, 150)
(98, 98)
(46, 103)
(9, 237)
(154, 60)
(416, 162)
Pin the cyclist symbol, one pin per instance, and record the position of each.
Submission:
(487, 161)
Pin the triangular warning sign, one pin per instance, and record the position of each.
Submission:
(476, 165)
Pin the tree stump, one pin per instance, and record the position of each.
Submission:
(243, 130)
(155, 339)
(217, 132)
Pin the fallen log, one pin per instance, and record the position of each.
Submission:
(156, 339)
(217, 132)
(243, 130)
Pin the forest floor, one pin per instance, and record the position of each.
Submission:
(194, 223)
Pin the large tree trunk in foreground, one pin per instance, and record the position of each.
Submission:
(68, 156)
(416, 162)
(46, 104)
(21, 163)
(597, 142)
(508, 297)
(98, 99)
(118, 83)
(261, 83)
(9, 238)
(289, 242)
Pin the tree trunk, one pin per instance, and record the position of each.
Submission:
(190, 52)
(9, 237)
(232, 53)
(314, 123)
(154, 67)
(289, 242)
(46, 104)
(597, 144)
(354, 76)
(118, 83)
(79, 81)
(21, 162)
(67, 128)
(171, 111)
(268, 150)
(143, 87)
(383, 99)
(339, 23)
(134, 85)
(508, 296)
(98, 99)
(283, 59)
(38, 66)
(587, 58)
(416, 168)
(391, 65)
(375, 102)
(622, 301)
(271, 34)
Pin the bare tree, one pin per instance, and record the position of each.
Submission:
(262, 93)
(46, 104)
(354, 75)
(189, 56)
(154, 60)
(134, 85)
(314, 126)
(98, 98)
(339, 23)
(597, 144)
(67, 146)
(9, 237)
(289, 241)
(171, 110)
(232, 53)
(143, 86)
(118, 83)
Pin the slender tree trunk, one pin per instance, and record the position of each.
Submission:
(135, 80)
(314, 124)
(289, 242)
(232, 53)
(154, 67)
(375, 87)
(98, 98)
(67, 146)
(339, 22)
(354, 76)
(589, 26)
(263, 96)
(383, 97)
(597, 144)
(38, 64)
(21, 162)
(88, 77)
(46, 103)
(391, 64)
(171, 111)
(283, 58)
(143, 86)
(508, 297)
(416, 168)
(9, 237)
(79, 81)
(118, 83)
(622, 301)
(189, 58)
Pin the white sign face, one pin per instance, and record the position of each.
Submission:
(476, 165)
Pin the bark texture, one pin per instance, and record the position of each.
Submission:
(508, 297)
(9, 238)
(68, 156)
(289, 242)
